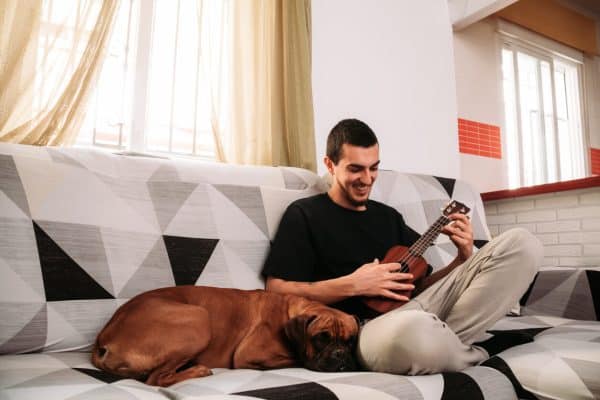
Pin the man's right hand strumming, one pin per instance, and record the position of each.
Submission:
(383, 280)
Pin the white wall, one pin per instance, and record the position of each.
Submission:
(567, 223)
(466, 12)
(592, 91)
(389, 63)
(479, 98)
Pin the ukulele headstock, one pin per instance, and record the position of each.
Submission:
(454, 207)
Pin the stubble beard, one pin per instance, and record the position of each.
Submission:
(353, 201)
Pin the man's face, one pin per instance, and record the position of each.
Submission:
(353, 175)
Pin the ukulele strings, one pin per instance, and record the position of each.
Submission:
(421, 247)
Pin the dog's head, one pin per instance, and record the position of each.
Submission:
(324, 341)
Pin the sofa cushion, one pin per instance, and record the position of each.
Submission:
(70, 375)
(548, 357)
(568, 292)
(542, 356)
(82, 231)
(421, 198)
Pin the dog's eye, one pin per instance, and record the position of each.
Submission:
(352, 341)
(321, 339)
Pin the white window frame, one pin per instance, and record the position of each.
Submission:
(141, 48)
(138, 137)
(137, 142)
(515, 38)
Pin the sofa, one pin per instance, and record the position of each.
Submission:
(84, 230)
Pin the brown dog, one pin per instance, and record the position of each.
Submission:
(171, 334)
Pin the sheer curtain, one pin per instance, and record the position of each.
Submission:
(257, 54)
(269, 96)
(50, 55)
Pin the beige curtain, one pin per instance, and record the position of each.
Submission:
(50, 55)
(270, 113)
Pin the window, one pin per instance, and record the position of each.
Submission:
(543, 118)
(108, 119)
(153, 94)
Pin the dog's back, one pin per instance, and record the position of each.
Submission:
(167, 335)
(176, 324)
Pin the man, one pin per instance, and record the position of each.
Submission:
(327, 249)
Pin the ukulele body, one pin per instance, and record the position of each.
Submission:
(417, 266)
(412, 261)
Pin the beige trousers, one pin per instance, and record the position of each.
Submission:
(434, 332)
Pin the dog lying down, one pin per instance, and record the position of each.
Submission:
(171, 334)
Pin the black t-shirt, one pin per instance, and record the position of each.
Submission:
(318, 239)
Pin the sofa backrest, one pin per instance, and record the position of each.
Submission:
(82, 231)
(421, 198)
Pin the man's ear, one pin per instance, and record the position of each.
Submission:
(296, 332)
(329, 164)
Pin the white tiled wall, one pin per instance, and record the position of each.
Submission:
(567, 223)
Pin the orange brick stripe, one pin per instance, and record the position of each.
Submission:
(479, 139)
(595, 160)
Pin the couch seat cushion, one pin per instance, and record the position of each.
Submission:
(551, 357)
(70, 375)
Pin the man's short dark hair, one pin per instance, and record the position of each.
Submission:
(348, 131)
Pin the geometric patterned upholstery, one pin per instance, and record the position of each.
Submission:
(420, 199)
(567, 292)
(553, 349)
(82, 231)
(71, 376)
(550, 357)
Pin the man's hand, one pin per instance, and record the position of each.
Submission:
(460, 232)
(375, 279)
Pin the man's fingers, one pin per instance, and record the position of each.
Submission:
(401, 276)
(459, 221)
(457, 226)
(452, 233)
(461, 236)
(394, 296)
(401, 286)
(391, 267)
(459, 217)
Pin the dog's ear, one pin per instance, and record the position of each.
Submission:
(296, 332)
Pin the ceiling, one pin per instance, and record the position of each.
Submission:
(589, 5)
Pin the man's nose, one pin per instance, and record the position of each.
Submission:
(366, 177)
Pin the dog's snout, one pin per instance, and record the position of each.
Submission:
(338, 354)
(102, 351)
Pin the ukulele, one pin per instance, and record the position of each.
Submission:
(411, 258)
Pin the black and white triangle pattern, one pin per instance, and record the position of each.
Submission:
(82, 231)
